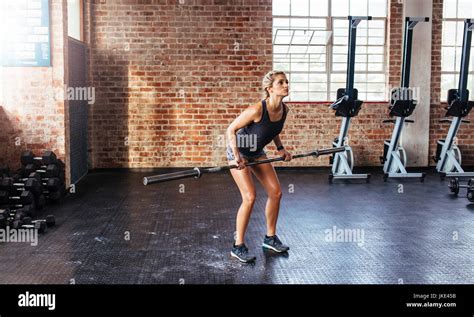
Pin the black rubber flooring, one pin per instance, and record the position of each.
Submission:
(114, 230)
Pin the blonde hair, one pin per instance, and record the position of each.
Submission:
(268, 80)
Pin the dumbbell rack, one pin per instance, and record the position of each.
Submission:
(39, 177)
(401, 108)
(347, 106)
(459, 106)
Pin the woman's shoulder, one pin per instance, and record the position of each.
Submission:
(256, 110)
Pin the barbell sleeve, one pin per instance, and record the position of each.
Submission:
(196, 172)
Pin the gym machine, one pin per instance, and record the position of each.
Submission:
(448, 155)
(402, 105)
(347, 106)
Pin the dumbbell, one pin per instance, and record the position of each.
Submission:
(26, 197)
(55, 186)
(40, 226)
(454, 185)
(16, 214)
(30, 184)
(46, 171)
(28, 157)
(50, 221)
(25, 200)
(11, 218)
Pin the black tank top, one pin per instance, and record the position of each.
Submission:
(255, 136)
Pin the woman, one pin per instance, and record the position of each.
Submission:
(261, 123)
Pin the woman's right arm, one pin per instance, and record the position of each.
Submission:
(248, 116)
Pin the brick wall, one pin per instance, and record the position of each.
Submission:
(32, 116)
(170, 77)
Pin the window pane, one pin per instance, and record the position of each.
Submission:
(361, 58)
(339, 58)
(298, 64)
(281, 7)
(299, 96)
(376, 41)
(465, 9)
(319, 8)
(339, 67)
(376, 88)
(299, 23)
(377, 50)
(299, 87)
(318, 96)
(280, 49)
(378, 96)
(281, 22)
(470, 85)
(459, 33)
(449, 33)
(297, 49)
(447, 82)
(447, 59)
(449, 9)
(300, 7)
(457, 65)
(340, 8)
(74, 19)
(338, 78)
(317, 23)
(317, 78)
(360, 67)
(317, 50)
(320, 87)
(358, 7)
(298, 77)
(376, 58)
(378, 8)
(340, 50)
(376, 67)
(361, 41)
(376, 78)
(471, 60)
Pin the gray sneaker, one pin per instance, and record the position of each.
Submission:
(274, 244)
(241, 252)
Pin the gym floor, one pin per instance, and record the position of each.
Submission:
(114, 230)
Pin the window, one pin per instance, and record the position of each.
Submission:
(454, 14)
(310, 44)
(74, 19)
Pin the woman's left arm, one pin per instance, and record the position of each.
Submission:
(277, 141)
(282, 150)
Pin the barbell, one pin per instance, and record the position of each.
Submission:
(197, 172)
